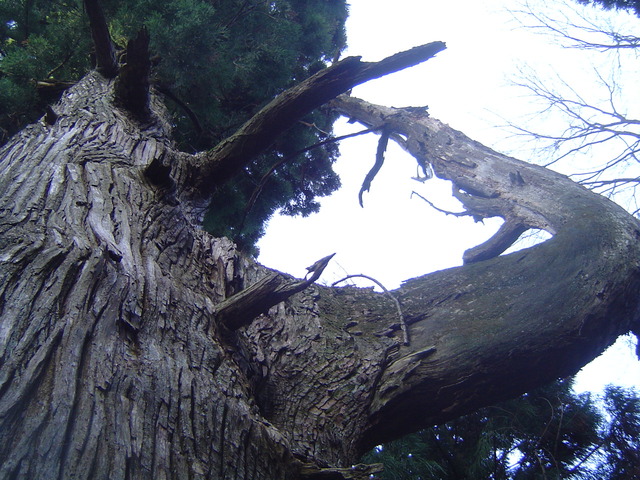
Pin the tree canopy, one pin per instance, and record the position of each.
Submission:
(550, 432)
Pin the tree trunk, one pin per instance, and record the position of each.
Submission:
(118, 358)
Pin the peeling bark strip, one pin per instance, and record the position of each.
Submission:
(116, 359)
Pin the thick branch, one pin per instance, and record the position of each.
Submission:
(219, 164)
(500, 327)
(106, 61)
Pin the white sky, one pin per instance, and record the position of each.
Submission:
(468, 86)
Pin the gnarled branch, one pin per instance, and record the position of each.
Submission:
(509, 313)
(219, 164)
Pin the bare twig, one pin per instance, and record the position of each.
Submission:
(600, 130)
(589, 126)
(446, 212)
(579, 31)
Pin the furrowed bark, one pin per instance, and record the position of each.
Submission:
(110, 367)
(219, 164)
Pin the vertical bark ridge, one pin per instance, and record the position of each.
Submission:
(115, 280)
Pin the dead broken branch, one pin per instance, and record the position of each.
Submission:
(228, 157)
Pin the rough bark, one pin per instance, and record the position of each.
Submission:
(115, 363)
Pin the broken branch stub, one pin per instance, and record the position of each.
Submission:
(106, 62)
(132, 84)
(242, 308)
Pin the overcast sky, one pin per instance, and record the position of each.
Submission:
(470, 87)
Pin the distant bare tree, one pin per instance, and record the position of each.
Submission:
(605, 129)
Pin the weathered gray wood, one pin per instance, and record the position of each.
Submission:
(503, 326)
(243, 307)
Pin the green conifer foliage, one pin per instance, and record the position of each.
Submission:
(216, 62)
(619, 452)
(629, 5)
(550, 433)
(40, 44)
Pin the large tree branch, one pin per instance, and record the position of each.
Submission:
(500, 327)
(219, 164)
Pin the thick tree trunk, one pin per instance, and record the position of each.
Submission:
(120, 357)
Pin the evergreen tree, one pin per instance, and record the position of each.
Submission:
(550, 433)
(618, 452)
